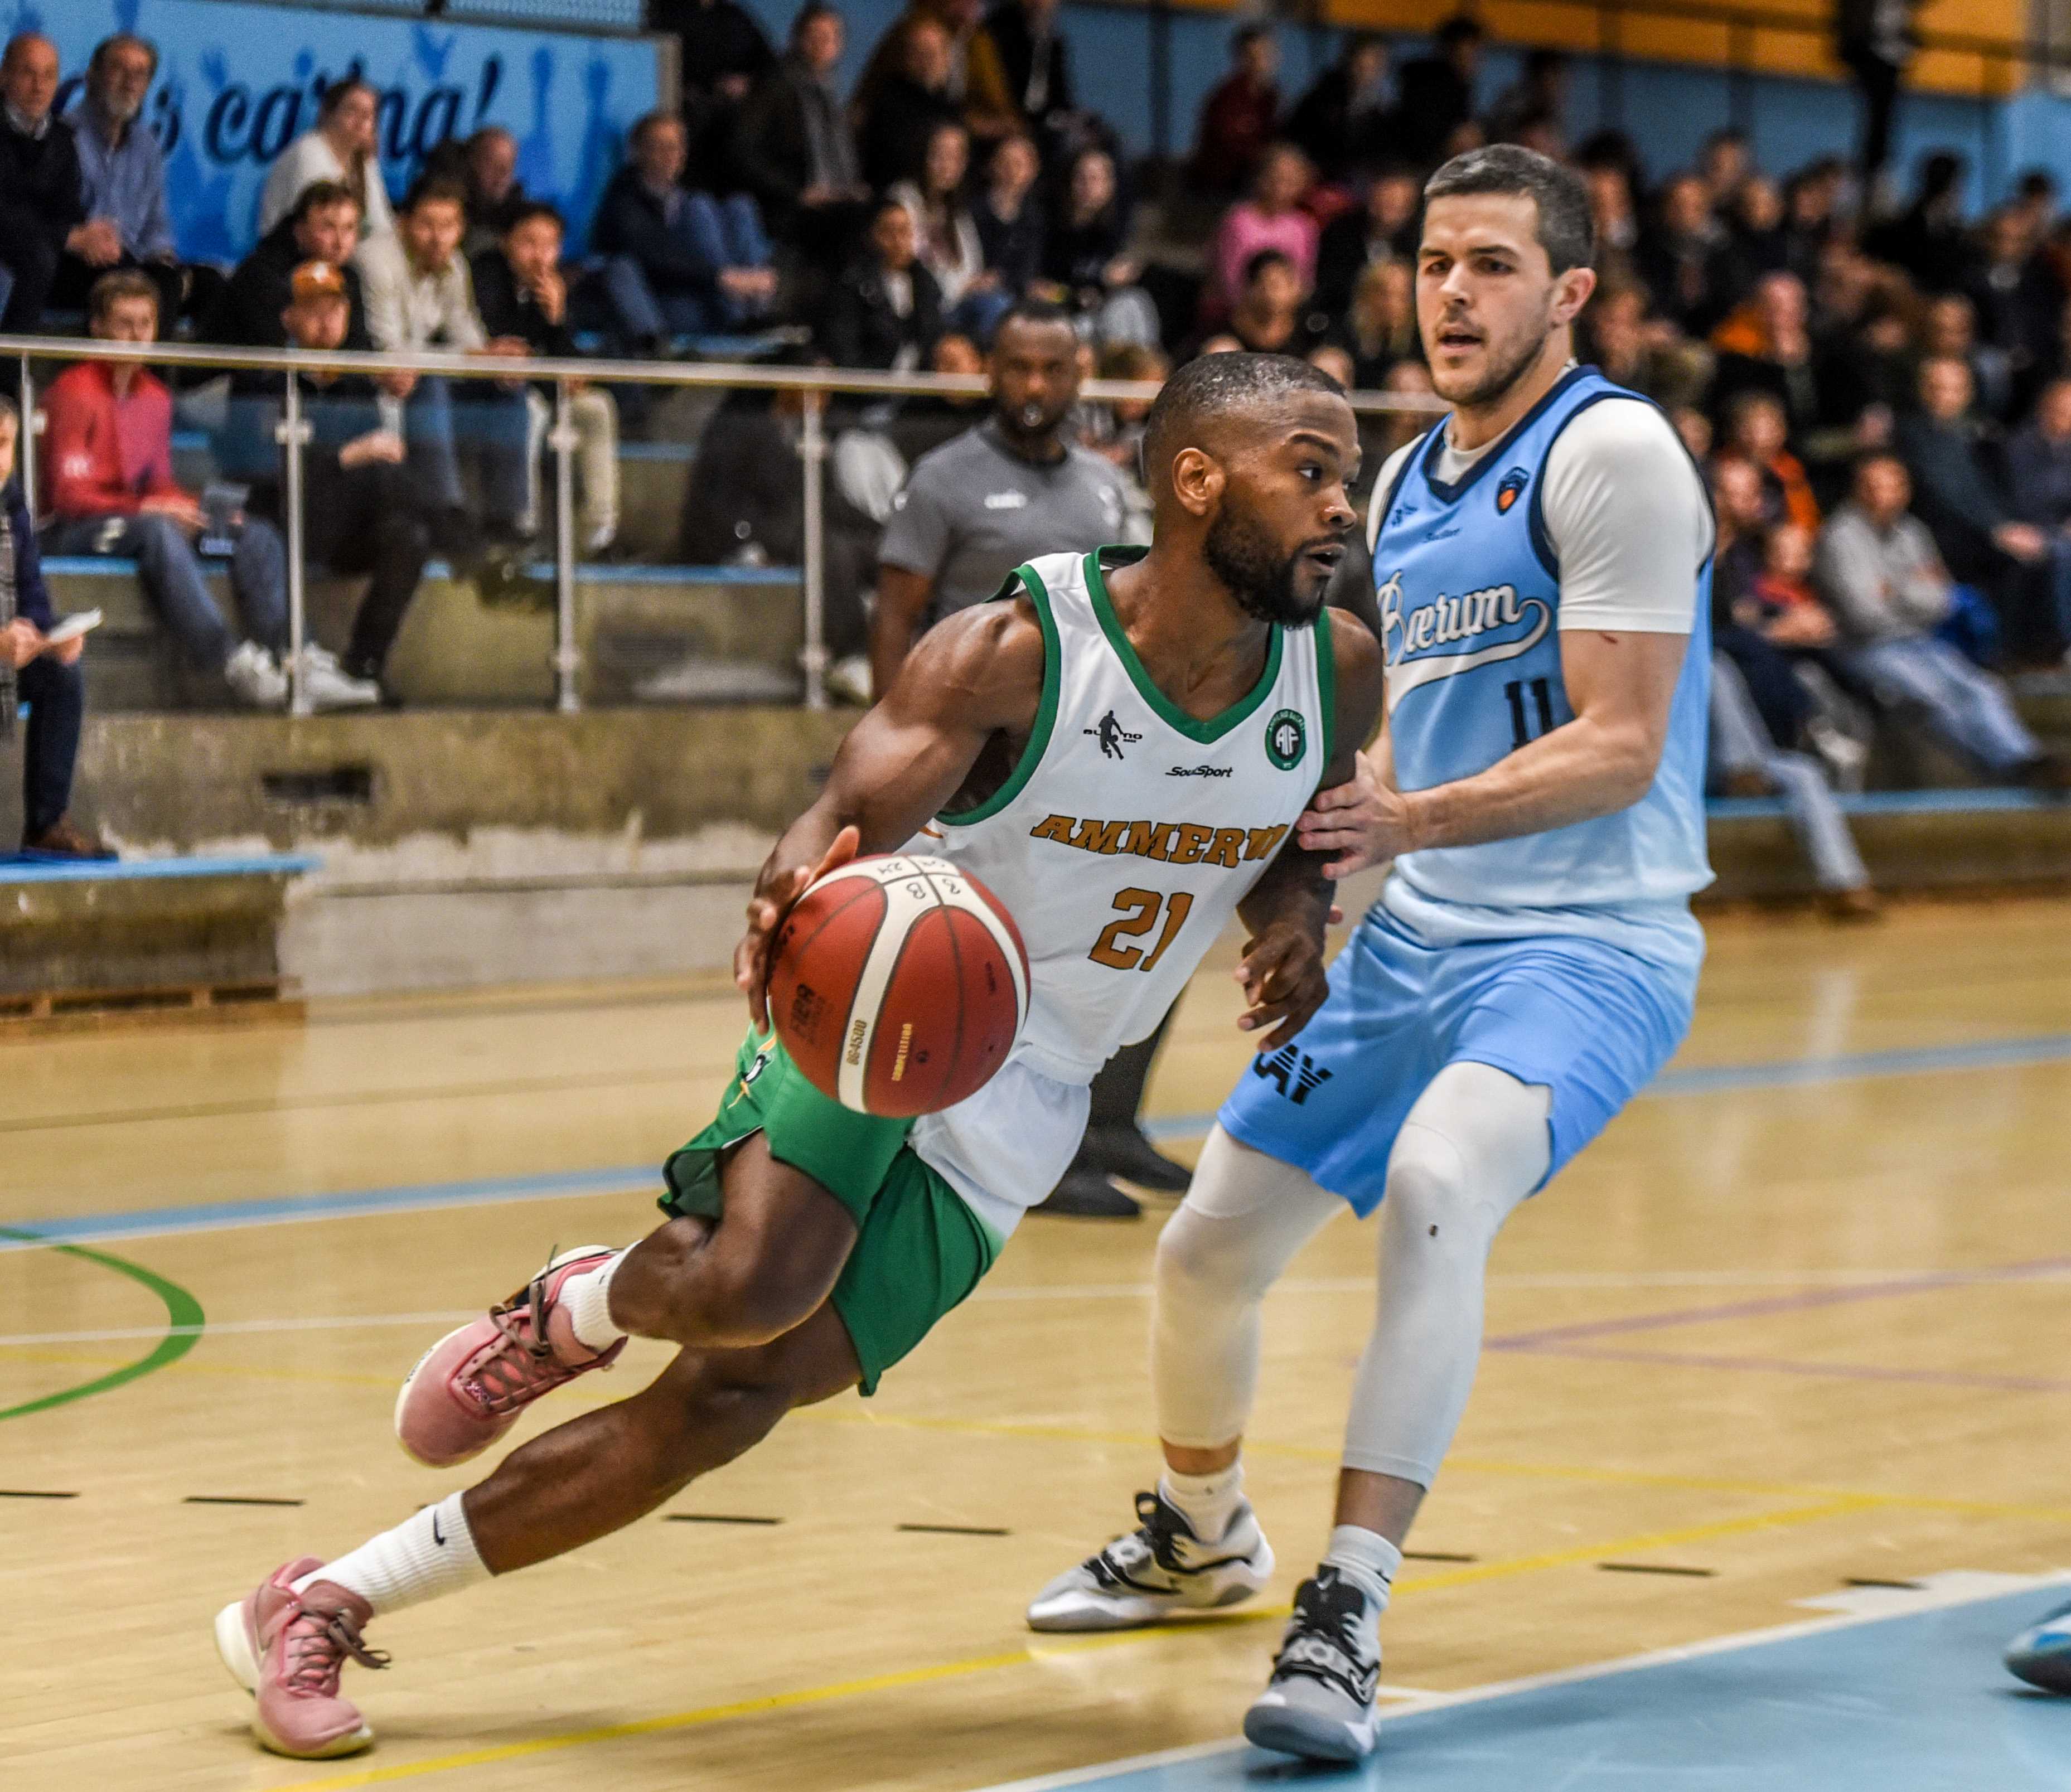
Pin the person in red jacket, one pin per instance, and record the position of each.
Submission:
(109, 448)
(1239, 117)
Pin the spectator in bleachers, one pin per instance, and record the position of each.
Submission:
(1380, 324)
(679, 263)
(345, 147)
(1340, 123)
(721, 52)
(1273, 315)
(1272, 218)
(974, 81)
(42, 215)
(1639, 351)
(1958, 494)
(1949, 332)
(886, 311)
(1928, 239)
(1534, 106)
(1685, 259)
(110, 490)
(794, 147)
(1034, 59)
(1755, 431)
(122, 183)
(2017, 302)
(1754, 233)
(1398, 428)
(1384, 229)
(2039, 476)
(1435, 94)
(1878, 569)
(897, 112)
(323, 227)
(522, 295)
(1616, 217)
(946, 235)
(1086, 253)
(1009, 215)
(1811, 203)
(357, 516)
(1724, 162)
(1766, 346)
(1240, 115)
(495, 195)
(419, 296)
(34, 671)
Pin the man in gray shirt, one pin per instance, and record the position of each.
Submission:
(983, 502)
(1881, 574)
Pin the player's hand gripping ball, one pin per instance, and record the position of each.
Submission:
(899, 984)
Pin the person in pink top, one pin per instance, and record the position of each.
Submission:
(1271, 219)
(109, 451)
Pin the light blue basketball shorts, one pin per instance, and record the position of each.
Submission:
(1586, 1019)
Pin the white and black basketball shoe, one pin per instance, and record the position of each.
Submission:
(1319, 1703)
(1159, 1569)
(2041, 1653)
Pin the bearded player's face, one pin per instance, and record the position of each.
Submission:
(1284, 521)
(1486, 296)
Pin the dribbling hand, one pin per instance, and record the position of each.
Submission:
(776, 890)
(1361, 823)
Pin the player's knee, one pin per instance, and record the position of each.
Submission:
(1432, 1196)
(1200, 1258)
(743, 1304)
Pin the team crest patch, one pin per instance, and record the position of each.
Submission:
(1286, 739)
(1511, 489)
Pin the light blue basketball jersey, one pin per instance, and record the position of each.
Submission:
(1469, 596)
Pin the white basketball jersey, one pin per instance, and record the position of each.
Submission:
(1124, 840)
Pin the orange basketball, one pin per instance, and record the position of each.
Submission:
(899, 984)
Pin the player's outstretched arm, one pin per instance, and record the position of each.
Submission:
(1621, 687)
(1287, 909)
(974, 676)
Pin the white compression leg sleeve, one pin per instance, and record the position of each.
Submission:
(1239, 1226)
(1474, 1147)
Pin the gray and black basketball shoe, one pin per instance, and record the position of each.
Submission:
(1319, 1703)
(1159, 1569)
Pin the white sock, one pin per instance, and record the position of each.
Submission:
(424, 1557)
(1368, 1557)
(1208, 1502)
(586, 1299)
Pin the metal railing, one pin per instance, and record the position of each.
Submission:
(815, 385)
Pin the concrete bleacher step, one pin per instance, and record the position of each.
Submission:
(726, 633)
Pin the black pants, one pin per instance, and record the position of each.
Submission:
(1877, 81)
(364, 520)
(55, 698)
(33, 263)
(184, 291)
(1117, 1091)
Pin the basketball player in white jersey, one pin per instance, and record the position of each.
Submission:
(1543, 562)
(1117, 747)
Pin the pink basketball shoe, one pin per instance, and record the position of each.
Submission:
(468, 1389)
(287, 1650)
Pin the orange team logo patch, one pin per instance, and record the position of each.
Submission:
(1511, 489)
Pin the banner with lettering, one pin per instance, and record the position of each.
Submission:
(236, 83)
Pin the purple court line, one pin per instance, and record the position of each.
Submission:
(1800, 1303)
(1785, 1365)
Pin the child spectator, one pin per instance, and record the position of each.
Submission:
(1271, 219)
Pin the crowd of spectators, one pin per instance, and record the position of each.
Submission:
(1879, 393)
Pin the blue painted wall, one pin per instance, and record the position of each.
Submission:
(1668, 109)
(236, 81)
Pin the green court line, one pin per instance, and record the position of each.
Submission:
(185, 1322)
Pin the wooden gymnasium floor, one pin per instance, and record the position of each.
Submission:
(1779, 1329)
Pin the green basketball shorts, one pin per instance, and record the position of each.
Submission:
(919, 1249)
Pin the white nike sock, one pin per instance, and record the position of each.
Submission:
(586, 1299)
(424, 1557)
(1208, 1502)
(1368, 1557)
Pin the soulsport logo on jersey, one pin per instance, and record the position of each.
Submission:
(1425, 642)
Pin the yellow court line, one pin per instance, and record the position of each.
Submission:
(1023, 1657)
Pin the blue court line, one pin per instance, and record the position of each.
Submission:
(103, 871)
(219, 1216)
(1911, 1700)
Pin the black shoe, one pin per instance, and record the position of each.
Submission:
(1124, 1151)
(1087, 1195)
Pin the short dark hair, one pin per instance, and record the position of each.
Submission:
(811, 11)
(1041, 312)
(436, 190)
(650, 121)
(113, 41)
(1257, 262)
(321, 196)
(334, 96)
(1461, 28)
(1246, 35)
(526, 210)
(1212, 386)
(112, 289)
(1565, 231)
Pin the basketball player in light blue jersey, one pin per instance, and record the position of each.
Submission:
(1543, 562)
